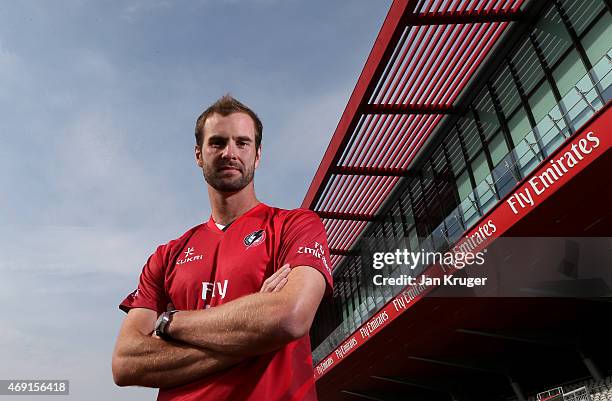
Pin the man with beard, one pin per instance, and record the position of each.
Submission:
(223, 312)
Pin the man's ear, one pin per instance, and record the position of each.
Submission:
(258, 156)
(198, 156)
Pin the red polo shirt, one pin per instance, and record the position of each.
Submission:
(207, 267)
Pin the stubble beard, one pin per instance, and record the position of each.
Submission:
(214, 178)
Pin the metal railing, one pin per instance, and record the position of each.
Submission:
(586, 97)
(580, 394)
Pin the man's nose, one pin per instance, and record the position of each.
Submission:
(229, 152)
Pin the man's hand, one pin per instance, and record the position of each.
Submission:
(277, 281)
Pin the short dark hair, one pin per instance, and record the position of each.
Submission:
(225, 106)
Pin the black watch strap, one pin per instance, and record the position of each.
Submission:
(162, 323)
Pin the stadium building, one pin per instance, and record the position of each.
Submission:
(472, 122)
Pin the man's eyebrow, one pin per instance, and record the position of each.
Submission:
(216, 137)
(244, 138)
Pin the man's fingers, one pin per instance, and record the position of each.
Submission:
(273, 281)
(280, 284)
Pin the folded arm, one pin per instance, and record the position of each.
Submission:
(255, 323)
(144, 360)
(141, 359)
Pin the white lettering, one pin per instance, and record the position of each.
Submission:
(324, 365)
(215, 288)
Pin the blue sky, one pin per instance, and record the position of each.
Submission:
(98, 100)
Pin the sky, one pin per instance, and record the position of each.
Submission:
(98, 101)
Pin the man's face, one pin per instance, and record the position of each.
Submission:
(228, 156)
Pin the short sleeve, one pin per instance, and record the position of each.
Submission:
(304, 243)
(150, 293)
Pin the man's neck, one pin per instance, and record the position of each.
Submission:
(227, 207)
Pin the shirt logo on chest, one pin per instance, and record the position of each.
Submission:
(255, 238)
(189, 256)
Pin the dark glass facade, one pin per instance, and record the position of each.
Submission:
(553, 80)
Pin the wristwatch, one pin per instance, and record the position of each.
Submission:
(161, 326)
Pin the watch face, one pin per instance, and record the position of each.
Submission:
(161, 324)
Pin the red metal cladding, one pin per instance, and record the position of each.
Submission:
(463, 58)
(333, 199)
(401, 150)
(467, 40)
(398, 127)
(387, 80)
(344, 229)
(427, 94)
(351, 203)
(439, 57)
(392, 28)
(350, 233)
(365, 140)
(375, 141)
(382, 143)
(417, 61)
(418, 75)
(425, 54)
(495, 35)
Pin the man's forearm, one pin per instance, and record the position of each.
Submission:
(247, 326)
(152, 362)
(256, 323)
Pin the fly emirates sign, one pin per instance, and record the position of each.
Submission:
(560, 165)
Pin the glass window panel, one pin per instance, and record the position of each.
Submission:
(486, 111)
(498, 148)
(408, 215)
(551, 35)
(552, 130)
(504, 176)
(506, 90)
(602, 75)
(428, 175)
(526, 154)
(414, 240)
(519, 125)
(455, 154)
(569, 72)
(471, 139)
(597, 42)
(438, 237)
(489, 126)
(470, 211)
(480, 168)
(486, 194)
(416, 194)
(454, 225)
(439, 161)
(586, 104)
(528, 67)
(542, 101)
(464, 186)
(581, 13)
